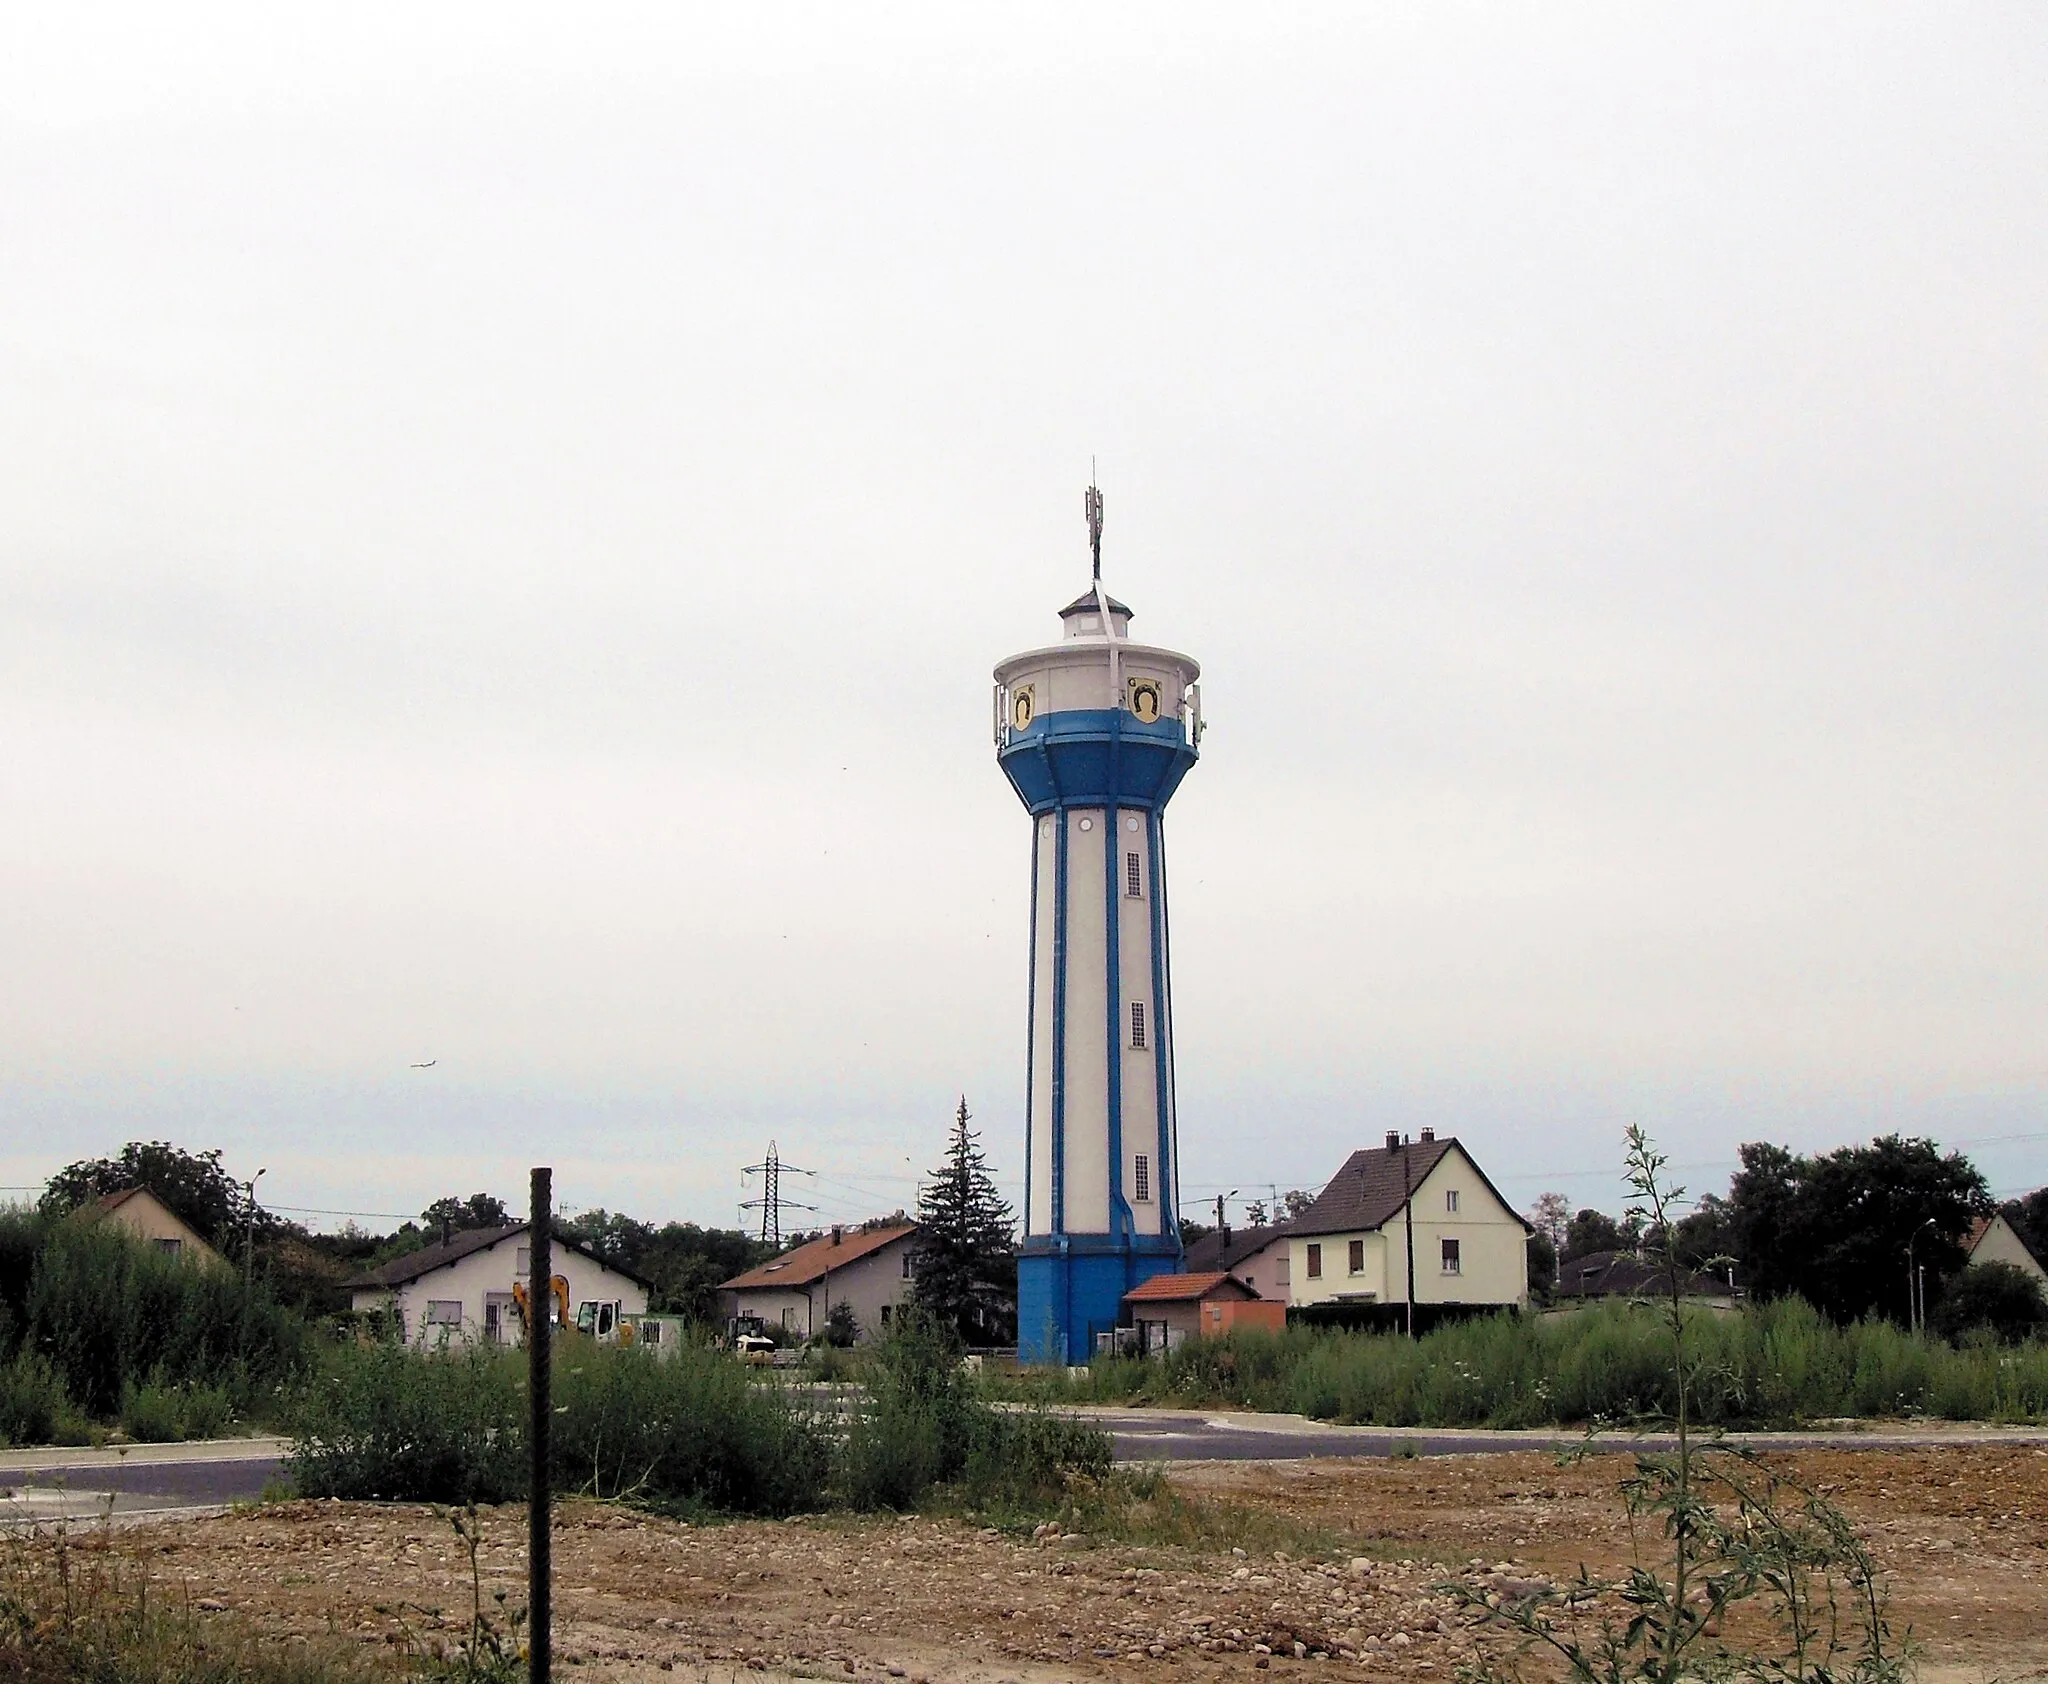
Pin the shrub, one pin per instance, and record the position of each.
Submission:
(108, 1313)
(386, 1422)
(2000, 1296)
(32, 1401)
(690, 1428)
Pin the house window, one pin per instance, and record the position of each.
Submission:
(1134, 881)
(444, 1312)
(169, 1247)
(1142, 1177)
(1451, 1201)
(1315, 1262)
(1357, 1258)
(907, 1261)
(789, 1317)
(525, 1263)
(1450, 1257)
(885, 1315)
(1138, 1023)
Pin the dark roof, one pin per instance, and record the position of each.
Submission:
(814, 1259)
(1085, 604)
(1622, 1274)
(1174, 1289)
(1227, 1248)
(463, 1243)
(1370, 1189)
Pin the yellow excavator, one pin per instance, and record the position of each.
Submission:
(558, 1289)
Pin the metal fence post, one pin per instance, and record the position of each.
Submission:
(541, 1302)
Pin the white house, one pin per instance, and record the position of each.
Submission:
(1409, 1220)
(1992, 1239)
(866, 1269)
(461, 1287)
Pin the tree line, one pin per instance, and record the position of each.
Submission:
(1847, 1230)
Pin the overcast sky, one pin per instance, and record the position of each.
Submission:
(507, 514)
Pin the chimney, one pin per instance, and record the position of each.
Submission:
(1428, 1135)
(1393, 1139)
(836, 1232)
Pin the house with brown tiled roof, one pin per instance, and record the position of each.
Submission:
(1165, 1309)
(868, 1269)
(1413, 1221)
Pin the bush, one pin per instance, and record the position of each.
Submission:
(33, 1406)
(922, 1427)
(386, 1422)
(690, 1428)
(2000, 1296)
(109, 1313)
(158, 1412)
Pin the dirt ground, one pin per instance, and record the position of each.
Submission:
(1963, 1533)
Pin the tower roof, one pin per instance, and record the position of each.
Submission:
(1085, 604)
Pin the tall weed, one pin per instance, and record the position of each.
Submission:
(1768, 1364)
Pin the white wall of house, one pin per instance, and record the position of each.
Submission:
(2001, 1244)
(1469, 1249)
(471, 1297)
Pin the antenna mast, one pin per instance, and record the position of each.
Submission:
(1092, 506)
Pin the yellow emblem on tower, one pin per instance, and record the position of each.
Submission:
(1023, 706)
(1145, 700)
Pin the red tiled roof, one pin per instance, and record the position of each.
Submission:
(1979, 1227)
(1171, 1289)
(812, 1260)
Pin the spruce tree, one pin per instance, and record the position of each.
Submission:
(965, 1264)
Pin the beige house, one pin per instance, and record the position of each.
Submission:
(1257, 1256)
(138, 1211)
(867, 1268)
(1425, 1199)
(462, 1288)
(1992, 1239)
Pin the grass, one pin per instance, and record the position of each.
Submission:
(1772, 1364)
(689, 1432)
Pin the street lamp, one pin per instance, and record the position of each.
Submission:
(1916, 1280)
(249, 1231)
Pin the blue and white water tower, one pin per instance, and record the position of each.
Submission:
(1095, 733)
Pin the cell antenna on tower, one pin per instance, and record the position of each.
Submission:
(1092, 503)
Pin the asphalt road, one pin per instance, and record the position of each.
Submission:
(159, 1480)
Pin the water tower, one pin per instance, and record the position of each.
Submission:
(1095, 733)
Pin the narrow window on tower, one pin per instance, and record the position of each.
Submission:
(1137, 1023)
(1134, 881)
(1141, 1178)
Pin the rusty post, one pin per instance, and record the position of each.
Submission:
(540, 1402)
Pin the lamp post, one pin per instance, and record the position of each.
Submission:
(249, 1231)
(1916, 1289)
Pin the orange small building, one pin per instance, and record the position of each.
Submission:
(1169, 1308)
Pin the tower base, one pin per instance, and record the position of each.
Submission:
(1071, 1287)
